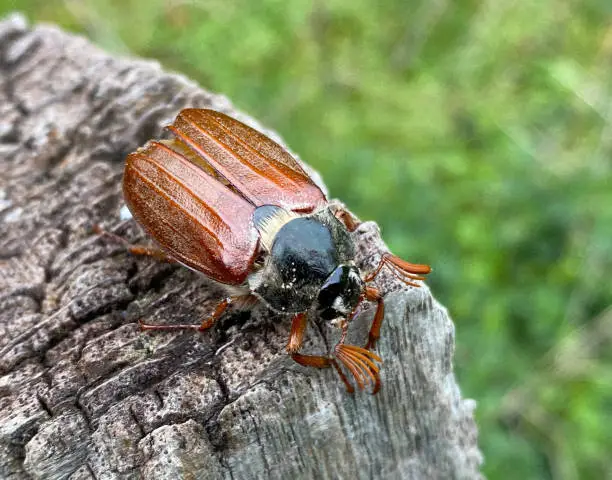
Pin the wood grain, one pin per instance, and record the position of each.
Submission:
(84, 394)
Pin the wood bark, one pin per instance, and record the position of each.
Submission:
(84, 394)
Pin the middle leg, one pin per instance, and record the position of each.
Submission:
(298, 328)
(296, 338)
(358, 361)
(205, 324)
(320, 361)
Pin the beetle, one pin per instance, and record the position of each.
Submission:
(225, 200)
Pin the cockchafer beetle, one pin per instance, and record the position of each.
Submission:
(223, 199)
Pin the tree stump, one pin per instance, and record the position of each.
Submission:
(85, 394)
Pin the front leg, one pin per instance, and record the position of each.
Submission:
(404, 270)
(407, 272)
(373, 295)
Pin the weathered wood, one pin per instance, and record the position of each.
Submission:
(84, 394)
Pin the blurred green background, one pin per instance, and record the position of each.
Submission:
(478, 134)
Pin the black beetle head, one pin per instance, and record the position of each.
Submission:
(340, 292)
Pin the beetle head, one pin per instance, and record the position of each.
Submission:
(340, 293)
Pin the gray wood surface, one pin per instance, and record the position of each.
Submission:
(84, 394)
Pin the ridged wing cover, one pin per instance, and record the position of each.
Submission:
(192, 215)
(259, 169)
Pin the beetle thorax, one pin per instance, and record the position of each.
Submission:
(302, 254)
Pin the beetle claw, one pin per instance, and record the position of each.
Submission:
(361, 363)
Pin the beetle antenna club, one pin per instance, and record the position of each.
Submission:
(223, 199)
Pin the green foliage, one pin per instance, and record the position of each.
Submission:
(477, 133)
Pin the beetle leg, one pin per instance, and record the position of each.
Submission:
(319, 361)
(156, 253)
(136, 249)
(357, 360)
(405, 271)
(360, 362)
(298, 327)
(373, 295)
(349, 220)
(206, 323)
